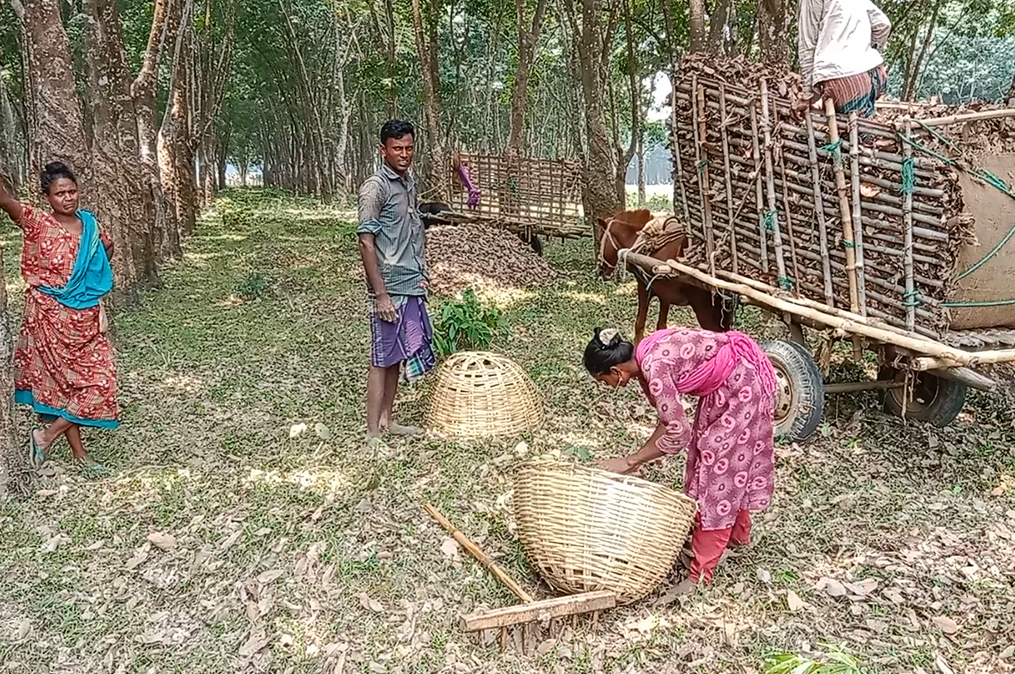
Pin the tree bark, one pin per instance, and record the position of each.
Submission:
(696, 9)
(56, 124)
(528, 38)
(126, 206)
(427, 48)
(600, 194)
(143, 93)
(176, 159)
(773, 33)
(719, 25)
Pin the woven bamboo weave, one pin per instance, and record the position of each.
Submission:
(481, 394)
(585, 529)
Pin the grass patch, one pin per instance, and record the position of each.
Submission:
(302, 554)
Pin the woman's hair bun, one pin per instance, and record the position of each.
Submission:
(56, 167)
(55, 170)
(608, 337)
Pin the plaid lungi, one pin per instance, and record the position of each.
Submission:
(856, 93)
(407, 341)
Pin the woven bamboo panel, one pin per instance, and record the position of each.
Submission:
(479, 394)
(523, 194)
(877, 223)
(585, 529)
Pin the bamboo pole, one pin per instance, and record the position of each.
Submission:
(907, 208)
(969, 117)
(844, 213)
(677, 162)
(854, 164)
(812, 153)
(701, 157)
(773, 211)
(951, 357)
(756, 156)
(726, 174)
(786, 207)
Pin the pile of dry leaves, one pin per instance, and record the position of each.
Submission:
(473, 256)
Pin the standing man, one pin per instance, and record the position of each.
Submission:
(840, 54)
(391, 243)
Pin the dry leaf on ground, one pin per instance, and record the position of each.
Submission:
(946, 625)
(449, 547)
(269, 576)
(161, 540)
(793, 601)
(369, 603)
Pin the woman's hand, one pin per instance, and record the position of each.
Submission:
(623, 465)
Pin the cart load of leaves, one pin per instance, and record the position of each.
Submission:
(903, 219)
(481, 258)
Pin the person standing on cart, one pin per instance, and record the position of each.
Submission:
(840, 47)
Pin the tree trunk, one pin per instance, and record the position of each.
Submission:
(15, 473)
(56, 126)
(642, 191)
(528, 38)
(143, 93)
(600, 197)
(176, 159)
(10, 157)
(427, 48)
(719, 25)
(127, 206)
(909, 86)
(696, 9)
(773, 33)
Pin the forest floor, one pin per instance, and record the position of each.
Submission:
(219, 543)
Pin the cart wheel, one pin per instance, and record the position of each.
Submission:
(800, 397)
(934, 400)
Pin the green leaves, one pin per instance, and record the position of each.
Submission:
(465, 325)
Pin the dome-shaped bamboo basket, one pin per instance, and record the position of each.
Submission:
(585, 529)
(479, 394)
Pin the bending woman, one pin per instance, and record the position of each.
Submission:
(730, 465)
(63, 362)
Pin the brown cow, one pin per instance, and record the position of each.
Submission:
(622, 231)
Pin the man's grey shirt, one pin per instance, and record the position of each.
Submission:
(387, 209)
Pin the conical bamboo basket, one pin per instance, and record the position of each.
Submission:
(480, 394)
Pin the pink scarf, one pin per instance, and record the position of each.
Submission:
(645, 345)
(710, 375)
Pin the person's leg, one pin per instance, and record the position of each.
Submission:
(376, 393)
(741, 534)
(707, 547)
(45, 437)
(388, 424)
(77, 448)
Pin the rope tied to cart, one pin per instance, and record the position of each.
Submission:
(834, 149)
(909, 186)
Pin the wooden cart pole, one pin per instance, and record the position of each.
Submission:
(845, 215)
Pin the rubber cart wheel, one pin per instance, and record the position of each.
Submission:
(800, 395)
(935, 400)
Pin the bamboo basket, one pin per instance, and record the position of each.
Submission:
(901, 219)
(585, 529)
(480, 394)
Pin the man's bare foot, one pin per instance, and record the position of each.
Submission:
(404, 431)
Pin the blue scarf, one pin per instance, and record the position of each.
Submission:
(92, 277)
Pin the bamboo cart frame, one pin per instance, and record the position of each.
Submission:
(526, 195)
(777, 211)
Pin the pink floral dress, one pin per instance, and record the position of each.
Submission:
(730, 449)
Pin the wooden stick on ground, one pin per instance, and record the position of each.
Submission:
(474, 550)
(531, 610)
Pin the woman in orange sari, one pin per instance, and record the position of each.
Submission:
(63, 362)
